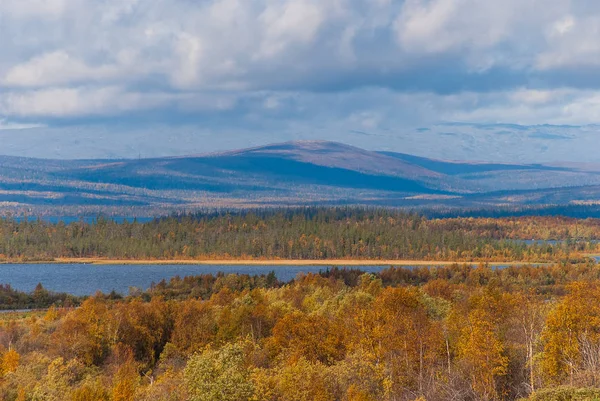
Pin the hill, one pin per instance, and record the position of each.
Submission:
(293, 173)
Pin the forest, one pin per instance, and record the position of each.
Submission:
(306, 233)
(457, 332)
(462, 331)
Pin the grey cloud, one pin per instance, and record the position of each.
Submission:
(261, 44)
(374, 66)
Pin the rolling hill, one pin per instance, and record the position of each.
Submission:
(293, 173)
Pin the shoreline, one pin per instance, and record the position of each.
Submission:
(269, 262)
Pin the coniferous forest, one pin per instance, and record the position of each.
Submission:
(309, 233)
(464, 331)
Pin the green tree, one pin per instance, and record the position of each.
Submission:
(219, 375)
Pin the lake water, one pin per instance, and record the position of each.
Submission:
(86, 279)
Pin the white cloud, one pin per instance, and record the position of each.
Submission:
(505, 60)
(444, 25)
(560, 106)
(483, 34)
(534, 96)
(74, 102)
(571, 43)
(189, 53)
(55, 68)
(564, 25)
(289, 23)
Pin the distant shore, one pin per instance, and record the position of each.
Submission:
(268, 262)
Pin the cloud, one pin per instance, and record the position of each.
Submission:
(571, 43)
(280, 64)
(33, 9)
(56, 68)
(288, 24)
(73, 102)
(7, 125)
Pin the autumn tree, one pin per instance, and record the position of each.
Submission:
(481, 347)
(571, 337)
(86, 333)
(9, 362)
(219, 375)
(195, 326)
(312, 337)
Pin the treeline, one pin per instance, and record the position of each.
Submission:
(11, 298)
(455, 332)
(308, 233)
(583, 211)
(576, 232)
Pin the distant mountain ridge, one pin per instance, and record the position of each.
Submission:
(291, 173)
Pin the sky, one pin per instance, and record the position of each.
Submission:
(215, 74)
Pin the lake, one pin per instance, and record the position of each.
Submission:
(86, 279)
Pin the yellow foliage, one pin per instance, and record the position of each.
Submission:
(571, 325)
(90, 392)
(126, 383)
(305, 381)
(10, 361)
(21, 395)
(264, 385)
(124, 390)
(356, 394)
(480, 348)
(51, 315)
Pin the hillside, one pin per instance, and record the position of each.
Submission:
(293, 173)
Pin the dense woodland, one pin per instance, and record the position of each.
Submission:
(579, 211)
(446, 333)
(458, 332)
(309, 233)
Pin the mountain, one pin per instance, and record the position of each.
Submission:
(292, 173)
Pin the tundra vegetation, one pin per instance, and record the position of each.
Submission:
(456, 332)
